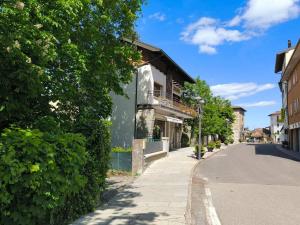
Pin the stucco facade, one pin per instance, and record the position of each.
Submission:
(123, 116)
(276, 127)
(238, 124)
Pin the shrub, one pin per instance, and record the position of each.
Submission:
(120, 149)
(231, 141)
(95, 170)
(38, 171)
(211, 145)
(218, 144)
(226, 142)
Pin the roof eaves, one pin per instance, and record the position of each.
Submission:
(280, 59)
(238, 107)
(155, 49)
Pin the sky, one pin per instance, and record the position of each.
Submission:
(230, 44)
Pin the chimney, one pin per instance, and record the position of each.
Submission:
(289, 43)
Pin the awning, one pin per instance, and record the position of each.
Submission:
(173, 120)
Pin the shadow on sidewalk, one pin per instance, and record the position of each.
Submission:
(271, 150)
(120, 210)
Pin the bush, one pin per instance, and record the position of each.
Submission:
(120, 149)
(38, 171)
(211, 145)
(231, 141)
(218, 144)
(95, 170)
(226, 142)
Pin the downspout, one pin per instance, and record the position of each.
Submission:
(135, 103)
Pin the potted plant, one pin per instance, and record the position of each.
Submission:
(218, 144)
(211, 145)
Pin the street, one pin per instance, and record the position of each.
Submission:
(247, 184)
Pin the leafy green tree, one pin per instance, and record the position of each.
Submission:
(217, 112)
(60, 60)
(67, 52)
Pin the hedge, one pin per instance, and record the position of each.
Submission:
(39, 172)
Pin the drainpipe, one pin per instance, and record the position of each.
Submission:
(135, 103)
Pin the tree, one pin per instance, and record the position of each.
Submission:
(60, 60)
(66, 52)
(217, 112)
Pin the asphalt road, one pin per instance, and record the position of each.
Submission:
(247, 185)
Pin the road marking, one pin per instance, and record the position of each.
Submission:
(211, 212)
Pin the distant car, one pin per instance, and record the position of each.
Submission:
(250, 140)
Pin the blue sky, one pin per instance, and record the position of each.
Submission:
(232, 46)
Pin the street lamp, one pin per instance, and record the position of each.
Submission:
(200, 102)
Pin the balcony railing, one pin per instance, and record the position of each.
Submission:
(168, 101)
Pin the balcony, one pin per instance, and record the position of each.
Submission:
(167, 101)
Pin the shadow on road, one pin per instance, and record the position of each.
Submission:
(271, 150)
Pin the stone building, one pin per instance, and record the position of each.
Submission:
(238, 124)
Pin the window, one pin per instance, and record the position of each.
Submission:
(157, 90)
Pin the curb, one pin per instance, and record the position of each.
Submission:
(215, 152)
(188, 213)
(287, 152)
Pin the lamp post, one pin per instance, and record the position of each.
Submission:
(200, 102)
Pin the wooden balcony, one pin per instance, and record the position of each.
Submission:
(167, 101)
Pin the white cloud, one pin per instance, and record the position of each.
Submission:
(250, 21)
(208, 33)
(263, 14)
(258, 104)
(234, 91)
(207, 49)
(158, 16)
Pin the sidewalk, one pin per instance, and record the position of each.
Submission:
(291, 153)
(158, 196)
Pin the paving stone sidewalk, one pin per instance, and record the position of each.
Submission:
(159, 196)
(289, 152)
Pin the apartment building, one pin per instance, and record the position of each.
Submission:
(287, 62)
(153, 109)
